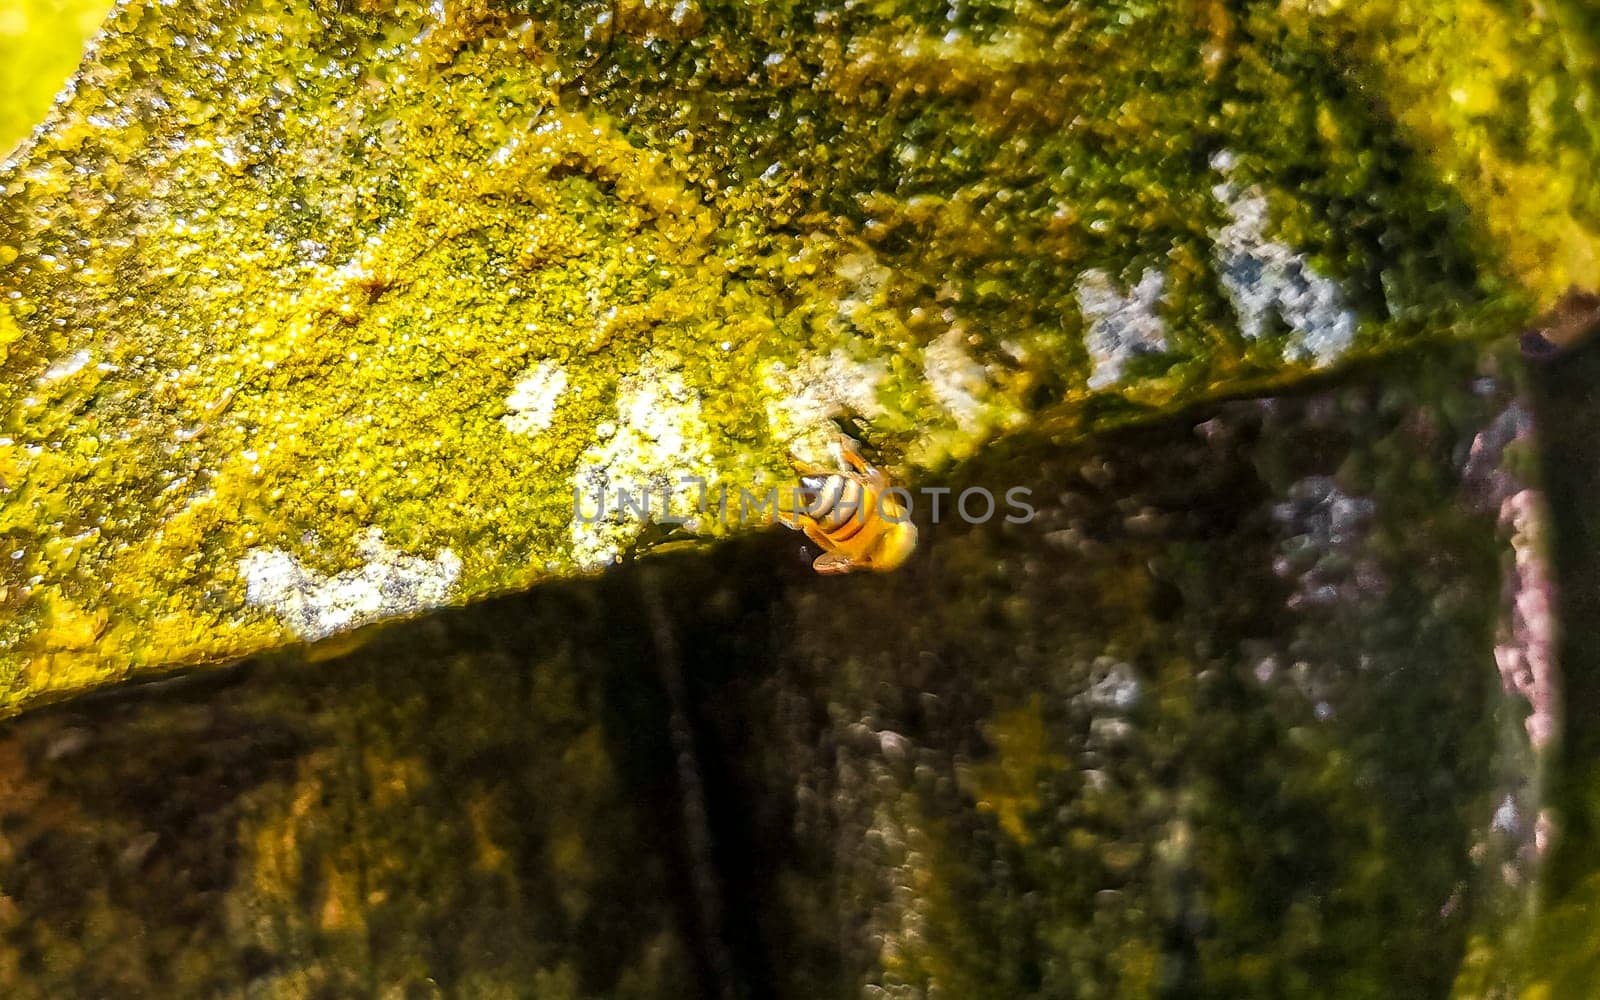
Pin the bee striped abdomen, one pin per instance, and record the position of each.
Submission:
(840, 507)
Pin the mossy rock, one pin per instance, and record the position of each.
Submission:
(318, 314)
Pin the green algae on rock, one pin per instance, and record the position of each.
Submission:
(1500, 99)
(318, 314)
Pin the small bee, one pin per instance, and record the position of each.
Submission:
(852, 515)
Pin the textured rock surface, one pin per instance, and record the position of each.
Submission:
(1225, 718)
(317, 314)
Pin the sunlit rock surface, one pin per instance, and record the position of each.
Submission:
(1231, 715)
(316, 314)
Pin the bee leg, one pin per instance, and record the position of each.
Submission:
(817, 537)
(853, 457)
(851, 450)
(833, 563)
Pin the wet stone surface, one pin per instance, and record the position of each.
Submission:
(316, 314)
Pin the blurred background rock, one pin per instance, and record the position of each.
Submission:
(41, 43)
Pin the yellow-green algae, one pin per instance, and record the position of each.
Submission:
(276, 276)
(1503, 99)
